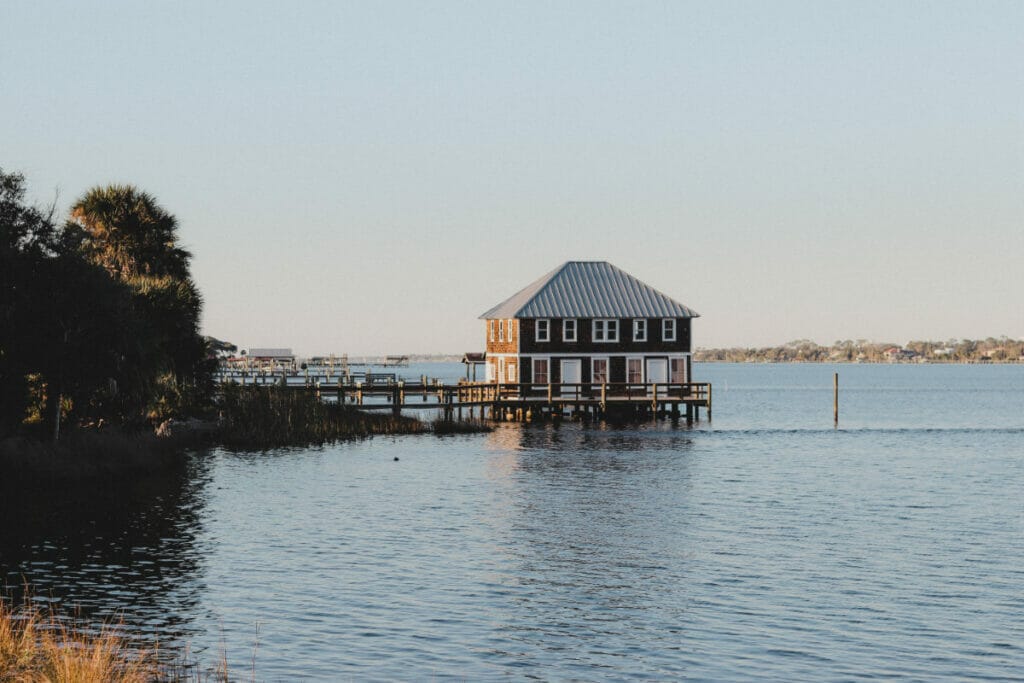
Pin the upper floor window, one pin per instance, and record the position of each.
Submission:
(492, 326)
(639, 330)
(668, 329)
(510, 329)
(501, 330)
(543, 330)
(569, 330)
(606, 330)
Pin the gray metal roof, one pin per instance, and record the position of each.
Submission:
(589, 289)
(270, 353)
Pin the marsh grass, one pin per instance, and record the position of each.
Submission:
(37, 647)
(446, 427)
(44, 647)
(269, 417)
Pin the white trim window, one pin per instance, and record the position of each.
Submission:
(639, 329)
(569, 329)
(668, 329)
(677, 370)
(501, 330)
(494, 323)
(512, 376)
(599, 370)
(510, 338)
(634, 370)
(541, 371)
(606, 330)
(543, 331)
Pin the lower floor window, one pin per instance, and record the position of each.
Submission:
(599, 370)
(540, 370)
(678, 370)
(634, 370)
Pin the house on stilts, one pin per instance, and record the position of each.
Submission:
(588, 324)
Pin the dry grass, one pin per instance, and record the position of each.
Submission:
(37, 647)
(42, 647)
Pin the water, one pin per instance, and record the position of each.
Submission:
(763, 545)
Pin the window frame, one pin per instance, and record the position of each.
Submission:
(607, 369)
(672, 376)
(493, 325)
(547, 371)
(547, 330)
(510, 330)
(640, 360)
(501, 331)
(607, 326)
(639, 325)
(575, 329)
(666, 324)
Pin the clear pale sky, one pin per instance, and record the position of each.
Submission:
(369, 177)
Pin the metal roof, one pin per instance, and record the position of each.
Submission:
(589, 289)
(270, 353)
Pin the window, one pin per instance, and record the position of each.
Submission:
(501, 330)
(639, 330)
(540, 371)
(510, 329)
(668, 329)
(634, 370)
(677, 367)
(569, 330)
(543, 330)
(492, 330)
(599, 370)
(606, 330)
(511, 369)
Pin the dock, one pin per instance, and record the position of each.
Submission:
(507, 401)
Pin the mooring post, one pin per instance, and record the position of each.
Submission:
(835, 399)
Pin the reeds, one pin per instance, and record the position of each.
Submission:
(269, 417)
(44, 647)
(35, 648)
(446, 427)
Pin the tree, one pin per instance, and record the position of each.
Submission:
(129, 233)
(27, 238)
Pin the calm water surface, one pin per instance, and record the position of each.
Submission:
(763, 545)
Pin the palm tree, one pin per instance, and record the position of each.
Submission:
(129, 233)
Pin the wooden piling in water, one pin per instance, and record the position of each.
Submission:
(835, 399)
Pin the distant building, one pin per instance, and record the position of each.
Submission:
(588, 322)
(269, 359)
(896, 354)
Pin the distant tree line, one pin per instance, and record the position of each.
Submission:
(99, 315)
(995, 350)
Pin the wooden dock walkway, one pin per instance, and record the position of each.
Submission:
(518, 402)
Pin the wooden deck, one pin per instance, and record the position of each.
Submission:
(514, 401)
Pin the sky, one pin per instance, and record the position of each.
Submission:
(367, 178)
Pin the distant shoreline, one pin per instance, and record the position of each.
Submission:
(965, 351)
